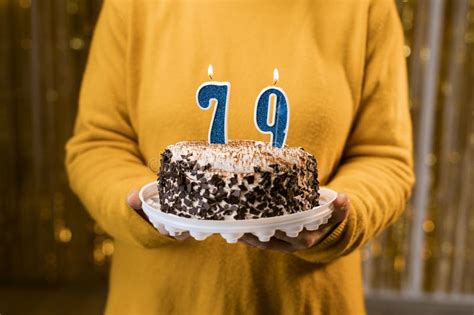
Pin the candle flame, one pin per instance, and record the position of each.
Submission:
(276, 76)
(210, 71)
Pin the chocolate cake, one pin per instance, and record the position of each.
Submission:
(236, 181)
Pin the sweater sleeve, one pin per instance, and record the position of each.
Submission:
(103, 160)
(376, 169)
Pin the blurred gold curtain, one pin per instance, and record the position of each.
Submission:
(430, 249)
(45, 235)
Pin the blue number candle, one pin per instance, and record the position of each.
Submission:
(279, 128)
(219, 92)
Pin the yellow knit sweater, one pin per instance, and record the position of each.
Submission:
(342, 68)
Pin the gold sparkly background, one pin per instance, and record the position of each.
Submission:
(46, 237)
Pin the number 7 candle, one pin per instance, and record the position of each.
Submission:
(278, 126)
(219, 93)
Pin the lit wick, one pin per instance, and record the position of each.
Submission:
(210, 71)
(276, 76)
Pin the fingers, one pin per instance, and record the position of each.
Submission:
(307, 239)
(182, 236)
(280, 242)
(304, 240)
(341, 207)
(133, 200)
(273, 244)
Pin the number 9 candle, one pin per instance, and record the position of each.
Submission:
(277, 125)
(219, 93)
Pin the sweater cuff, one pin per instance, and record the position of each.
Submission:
(325, 249)
(332, 237)
(337, 242)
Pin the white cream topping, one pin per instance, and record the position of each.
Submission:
(238, 156)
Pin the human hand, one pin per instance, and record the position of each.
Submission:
(305, 239)
(135, 203)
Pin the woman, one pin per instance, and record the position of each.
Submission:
(342, 67)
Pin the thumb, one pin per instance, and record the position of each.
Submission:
(341, 207)
(133, 200)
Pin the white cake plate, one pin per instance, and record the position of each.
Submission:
(231, 231)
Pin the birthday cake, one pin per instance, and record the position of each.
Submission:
(236, 181)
